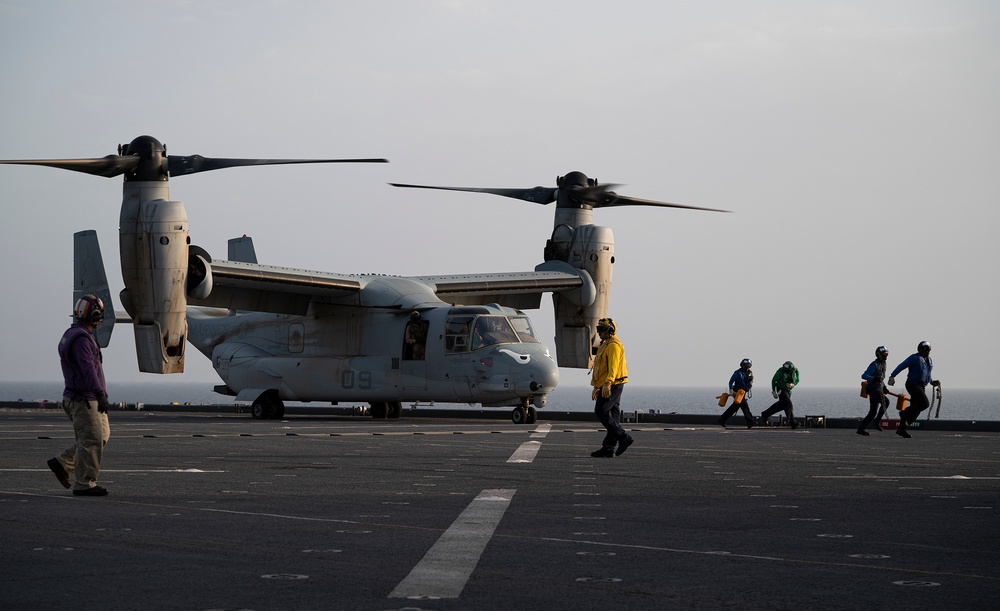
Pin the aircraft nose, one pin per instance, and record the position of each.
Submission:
(545, 375)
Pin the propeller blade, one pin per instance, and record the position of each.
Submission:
(538, 195)
(109, 167)
(613, 199)
(192, 164)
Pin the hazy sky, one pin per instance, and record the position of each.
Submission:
(858, 144)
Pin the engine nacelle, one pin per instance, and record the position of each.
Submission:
(154, 255)
(590, 248)
(199, 278)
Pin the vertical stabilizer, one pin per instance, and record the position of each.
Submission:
(241, 250)
(89, 277)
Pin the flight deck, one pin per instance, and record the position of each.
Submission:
(213, 511)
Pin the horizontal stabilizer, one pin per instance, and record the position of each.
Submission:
(121, 316)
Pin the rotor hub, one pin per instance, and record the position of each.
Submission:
(152, 166)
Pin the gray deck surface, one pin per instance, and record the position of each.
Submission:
(212, 511)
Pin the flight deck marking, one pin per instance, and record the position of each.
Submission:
(529, 449)
(526, 452)
(25, 470)
(542, 430)
(754, 557)
(448, 564)
(277, 515)
(896, 477)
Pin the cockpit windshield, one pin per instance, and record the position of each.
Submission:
(491, 330)
(522, 325)
(486, 330)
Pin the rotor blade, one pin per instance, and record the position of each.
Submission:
(192, 164)
(621, 200)
(109, 167)
(538, 195)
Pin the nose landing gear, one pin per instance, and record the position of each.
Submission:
(524, 414)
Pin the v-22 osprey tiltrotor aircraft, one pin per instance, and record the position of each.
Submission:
(280, 334)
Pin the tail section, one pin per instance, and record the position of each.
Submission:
(241, 250)
(89, 277)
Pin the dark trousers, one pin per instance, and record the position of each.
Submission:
(877, 404)
(784, 402)
(608, 411)
(918, 403)
(743, 405)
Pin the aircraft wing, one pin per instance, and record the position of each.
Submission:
(236, 285)
(522, 290)
(265, 288)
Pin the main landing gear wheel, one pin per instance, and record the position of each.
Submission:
(267, 406)
(379, 410)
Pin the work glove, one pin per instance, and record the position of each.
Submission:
(774, 394)
(593, 395)
(102, 405)
(790, 386)
(606, 390)
(892, 381)
(935, 383)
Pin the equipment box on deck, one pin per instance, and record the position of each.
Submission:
(814, 422)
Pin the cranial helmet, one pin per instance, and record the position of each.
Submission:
(89, 309)
(881, 352)
(606, 325)
(746, 364)
(788, 366)
(923, 345)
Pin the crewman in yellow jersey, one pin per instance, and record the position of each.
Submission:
(610, 374)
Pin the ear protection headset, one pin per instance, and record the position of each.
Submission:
(606, 325)
(89, 309)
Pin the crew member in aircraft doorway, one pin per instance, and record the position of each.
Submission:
(610, 374)
(85, 400)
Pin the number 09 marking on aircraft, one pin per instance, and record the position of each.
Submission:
(360, 379)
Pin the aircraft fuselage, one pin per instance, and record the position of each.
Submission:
(345, 353)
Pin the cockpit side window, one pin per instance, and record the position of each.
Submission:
(491, 330)
(456, 333)
(524, 330)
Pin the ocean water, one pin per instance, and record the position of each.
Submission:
(956, 404)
